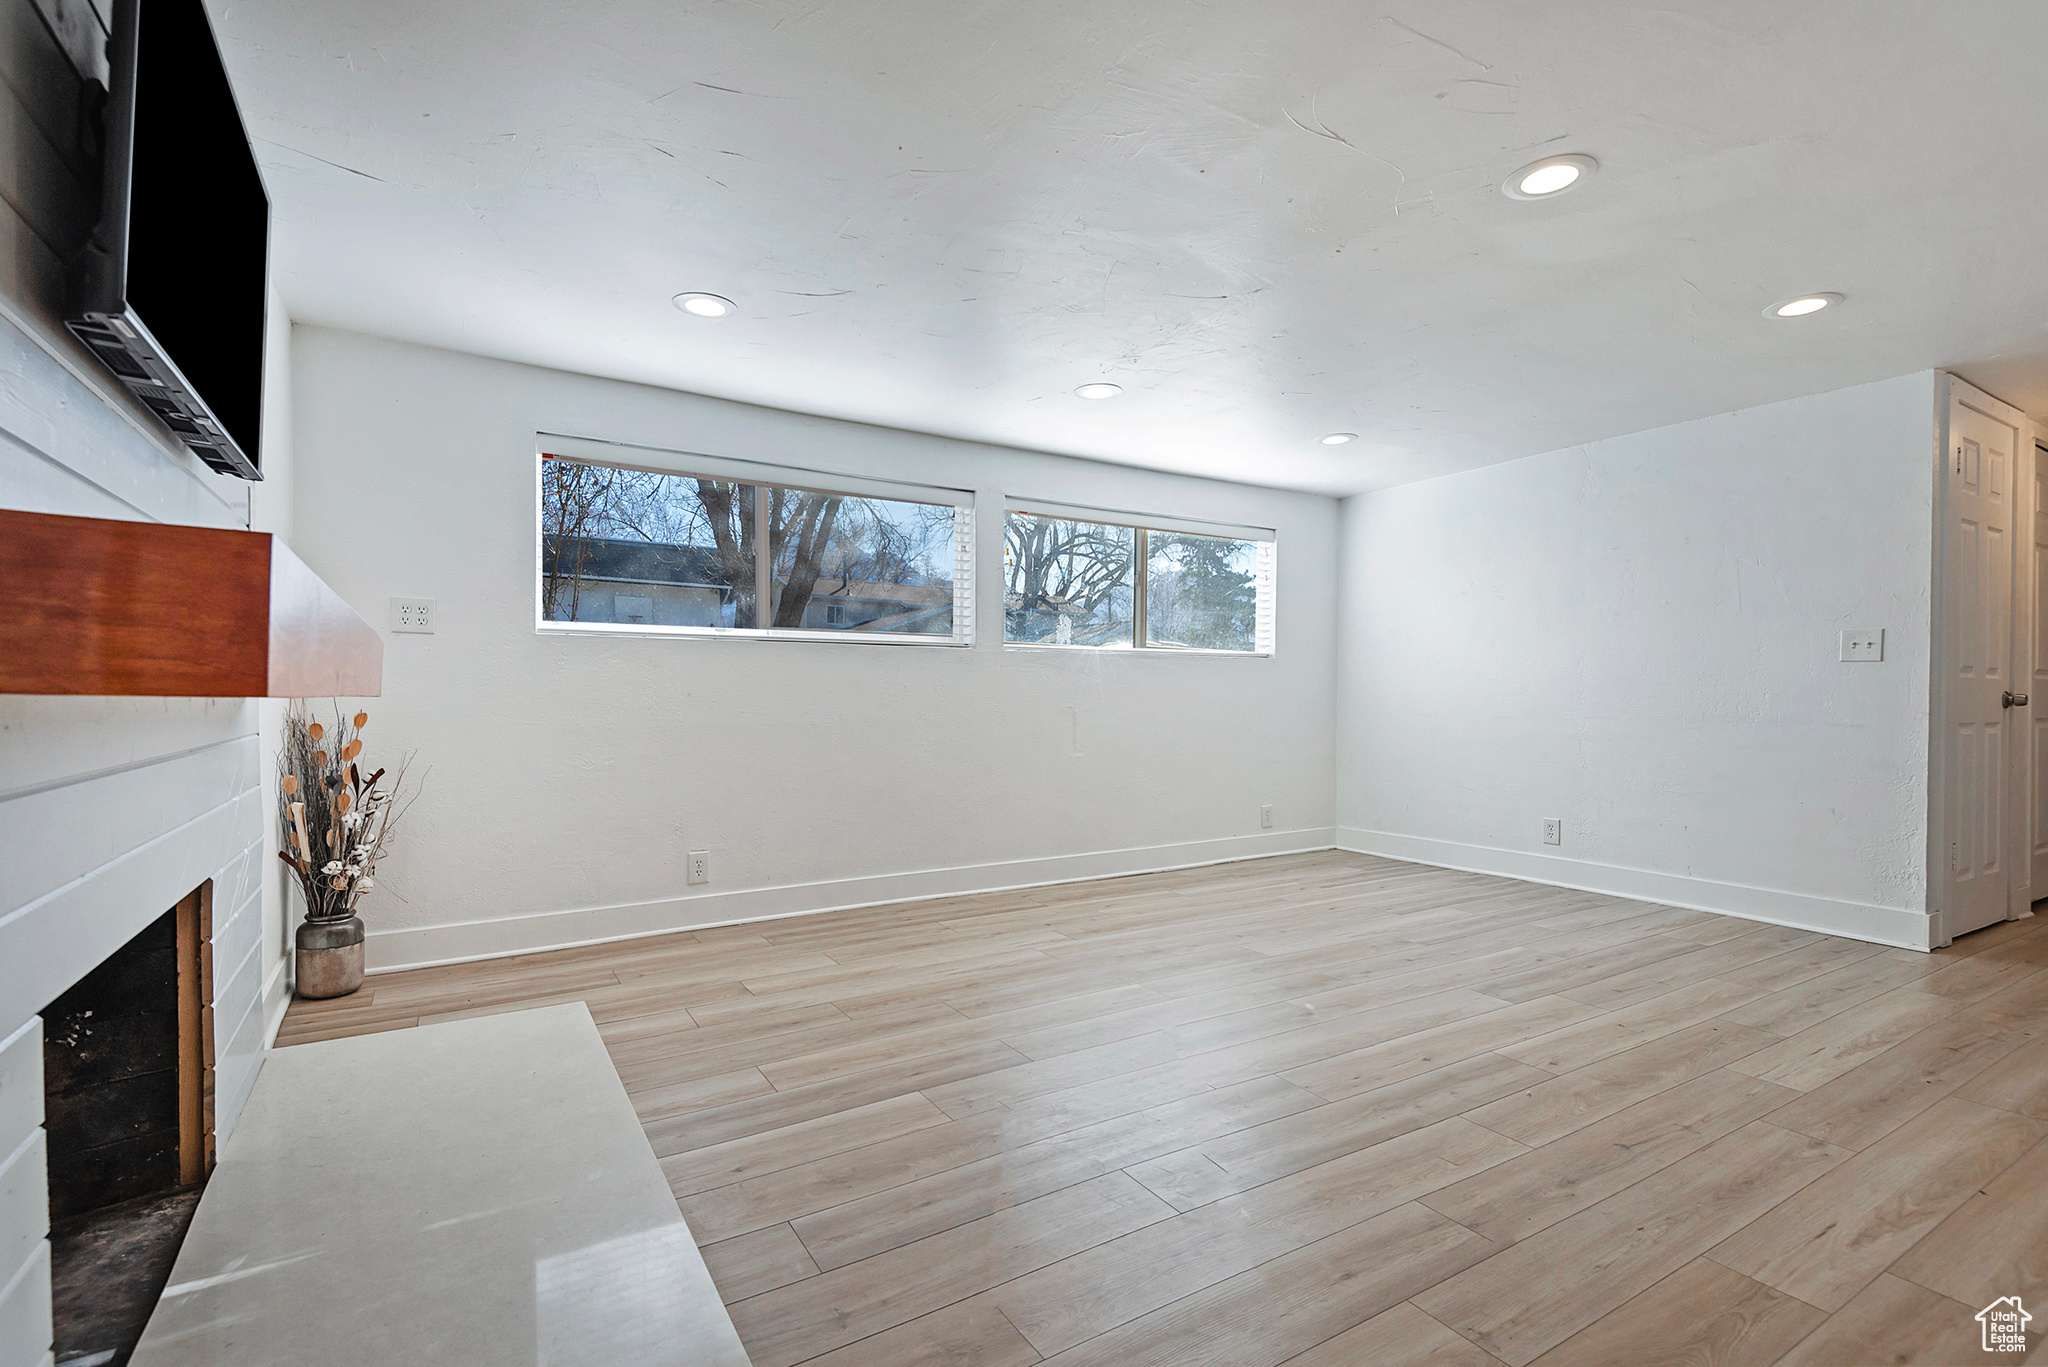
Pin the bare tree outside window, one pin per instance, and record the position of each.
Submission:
(1074, 582)
(878, 565)
(1066, 582)
(574, 500)
(729, 513)
(605, 528)
(672, 550)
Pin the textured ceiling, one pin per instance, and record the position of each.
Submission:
(1267, 222)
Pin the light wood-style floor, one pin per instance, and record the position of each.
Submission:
(1323, 1110)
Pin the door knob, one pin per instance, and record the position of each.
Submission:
(2015, 700)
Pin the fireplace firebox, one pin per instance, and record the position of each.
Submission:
(127, 1076)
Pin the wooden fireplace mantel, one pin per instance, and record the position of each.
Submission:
(90, 606)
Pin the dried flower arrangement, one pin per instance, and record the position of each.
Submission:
(337, 820)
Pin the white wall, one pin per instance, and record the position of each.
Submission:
(566, 777)
(1640, 636)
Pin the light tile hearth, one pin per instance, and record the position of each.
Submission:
(474, 1192)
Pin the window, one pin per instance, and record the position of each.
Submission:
(1069, 582)
(729, 548)
(1078, 581)
(1201, 592)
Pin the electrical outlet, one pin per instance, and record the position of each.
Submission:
(1863, 645)
(413, 614)
(1266, 817)
(700, 866)
(1553, 830)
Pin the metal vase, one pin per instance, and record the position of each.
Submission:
(330, 958)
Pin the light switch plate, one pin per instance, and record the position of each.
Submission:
(413, 614)
(1863, 645)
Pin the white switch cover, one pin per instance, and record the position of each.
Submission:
(1553, 830)
(413, 614)
(700, 866)
(1863, 645)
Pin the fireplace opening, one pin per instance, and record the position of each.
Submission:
(127, 1078)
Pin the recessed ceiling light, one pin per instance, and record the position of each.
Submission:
(1101, 389)
(706, 305)
(1339, 438)
(1550, 176)
(1802, 304)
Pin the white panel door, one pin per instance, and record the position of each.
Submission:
(1978, 619)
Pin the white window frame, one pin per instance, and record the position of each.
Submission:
(1266, 582)
(690, 464)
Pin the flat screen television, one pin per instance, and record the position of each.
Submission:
(170, 291)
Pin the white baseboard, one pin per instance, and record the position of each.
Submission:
(1830, 916)
(420, 946)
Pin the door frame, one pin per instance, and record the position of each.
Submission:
(1948, 390)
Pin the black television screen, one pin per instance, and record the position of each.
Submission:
(171, 291)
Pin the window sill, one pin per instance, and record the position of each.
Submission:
(1167, 652)
(658, 633)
